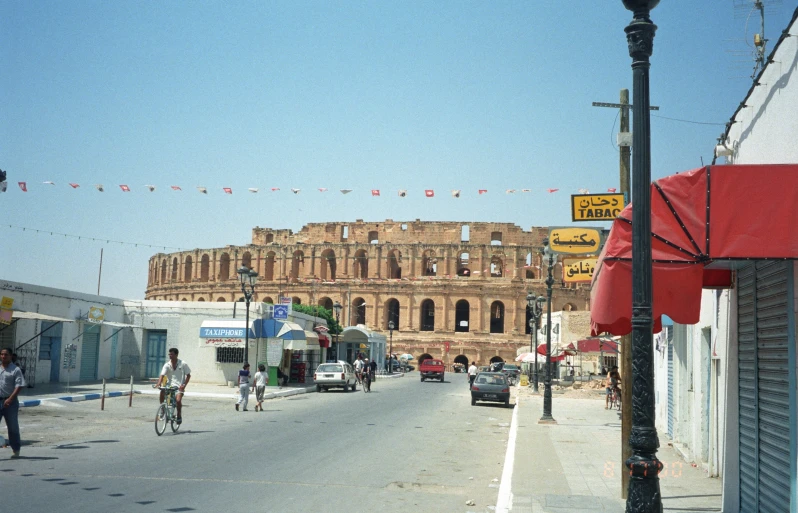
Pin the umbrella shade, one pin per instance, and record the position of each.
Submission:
(704, 223)
(406, 356)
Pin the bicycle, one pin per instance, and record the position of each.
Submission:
(615, 398)
(167, 411)
(366, 382)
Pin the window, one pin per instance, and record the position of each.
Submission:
(51, 332)
(374, 237)
(495, 238)
(461, 316)
(8, 336)
(427, 315)
(230, 355)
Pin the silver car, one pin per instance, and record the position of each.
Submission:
(335, 375)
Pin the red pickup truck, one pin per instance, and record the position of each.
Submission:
(431, 369)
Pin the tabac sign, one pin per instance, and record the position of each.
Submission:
(575, 241)
(596, 207)
(578, 270)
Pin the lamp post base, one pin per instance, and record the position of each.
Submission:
(547, 420)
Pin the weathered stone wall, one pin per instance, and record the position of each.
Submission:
(415, 273)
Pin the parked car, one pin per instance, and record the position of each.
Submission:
(335, 375)
(490, 386)
(431, 368)
(512, 371)
(397, 367)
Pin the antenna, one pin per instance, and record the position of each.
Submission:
(747, 9)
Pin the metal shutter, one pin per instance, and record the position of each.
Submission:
(764, 318)
(670, 389)
(88, 358)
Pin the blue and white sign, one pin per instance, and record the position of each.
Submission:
(222, 333)
(281, 312)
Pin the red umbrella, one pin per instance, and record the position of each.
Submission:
(702, 222)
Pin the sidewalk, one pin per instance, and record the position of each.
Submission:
(86, 391)
(575, 465)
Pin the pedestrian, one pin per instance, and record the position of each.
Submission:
(472, 373)
(11, 382)
(243, 387)
(282, 378)
(260, 382)
(373, 367)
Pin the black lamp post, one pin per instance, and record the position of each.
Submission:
(249, 277)
(391, 327)
(536, 310)
(337, 309)
(644, 467)
(549, 256)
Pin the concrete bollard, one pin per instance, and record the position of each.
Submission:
(130, 401)
(102, 399)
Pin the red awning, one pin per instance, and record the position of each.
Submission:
(324, 341)
(703, 223)
(597, 345)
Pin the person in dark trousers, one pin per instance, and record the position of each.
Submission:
(243, 387)
(472, 373)
(11, 382)
(373, 369)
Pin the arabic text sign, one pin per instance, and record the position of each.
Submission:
(575, 241)
(595, 207)
(7, 303)
(578, 270)
(96, 314)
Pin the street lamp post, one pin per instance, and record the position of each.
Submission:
(391, 327)
(644, 467)
(249, 277)
(536, 310)
(547, 418)
(337, 309)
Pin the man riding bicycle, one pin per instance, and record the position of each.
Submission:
(613, 379)
(175, 374)
(358, 365)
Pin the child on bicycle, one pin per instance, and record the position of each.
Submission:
(611, 384)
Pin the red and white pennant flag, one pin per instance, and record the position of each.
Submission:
(124, 188)
(429, 193)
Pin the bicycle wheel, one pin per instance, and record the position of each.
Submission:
(173, 416)
(161, 418)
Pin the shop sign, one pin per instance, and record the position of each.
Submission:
(596, 207)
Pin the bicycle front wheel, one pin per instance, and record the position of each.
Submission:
(175, 426)
(161, 418)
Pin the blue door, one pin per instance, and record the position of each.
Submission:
(55, 359)
(156, 353)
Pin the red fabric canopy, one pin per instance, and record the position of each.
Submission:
(596, 345)
(703, 222)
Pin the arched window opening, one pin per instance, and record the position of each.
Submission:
(326, 303)
(462, 312)
(497, 317)
(425, 356)
(569, 307)
(175, 265)
(429, 264)
(296, 301)
(462, 264)
(297, 264)
(465, 233)
(496, 359)
(495, 238)
(496, 267)
(205, 267)
(188, 269)
(359, 311)
(268, 271)
(394, 269)
(328, 265)
(529, 266)
(392, 314)
(374, 237)
(427, 315)
(220, 300)
(224, 267)
(201, 300)
(361, 264)
(462, 360)
(268, 300)
(246, 260)
(163, 272)
(269, 238)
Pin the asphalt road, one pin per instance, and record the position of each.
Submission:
(406, 446)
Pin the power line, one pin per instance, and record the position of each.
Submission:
(95, 239)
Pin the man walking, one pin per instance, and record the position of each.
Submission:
(472, 373)
(243, 387)
(11, 382)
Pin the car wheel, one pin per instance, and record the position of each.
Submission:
(346, 387)
(422, 379)
(354, 387)
(441, 378)
(318, 388)
(507, 403)
(473, 402)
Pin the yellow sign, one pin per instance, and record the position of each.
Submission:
(596, 207)
(575, 241)
(96, 314)
(7, 303)
(578, 270)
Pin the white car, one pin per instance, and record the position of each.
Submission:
(335, 375)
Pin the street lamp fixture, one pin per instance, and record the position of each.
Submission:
(644, 492)
(391, 327)
(535, 305)
(247, 277)
(548, 256)
(337, 309)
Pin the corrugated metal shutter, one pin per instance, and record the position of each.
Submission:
(764, 315)
(88, 356)
(670, 389)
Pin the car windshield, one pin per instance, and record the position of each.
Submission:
(330, 367)
(510, 367)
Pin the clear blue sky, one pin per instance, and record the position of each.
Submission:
(357, 95)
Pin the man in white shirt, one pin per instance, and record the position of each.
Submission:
(472, 373)
(177, 374)
(261, 380)
(358, 365)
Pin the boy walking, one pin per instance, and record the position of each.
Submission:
(243, 387)
(261, 380)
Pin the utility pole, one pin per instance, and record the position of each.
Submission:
(625, 144)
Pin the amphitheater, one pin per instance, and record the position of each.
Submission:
(464, 283)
